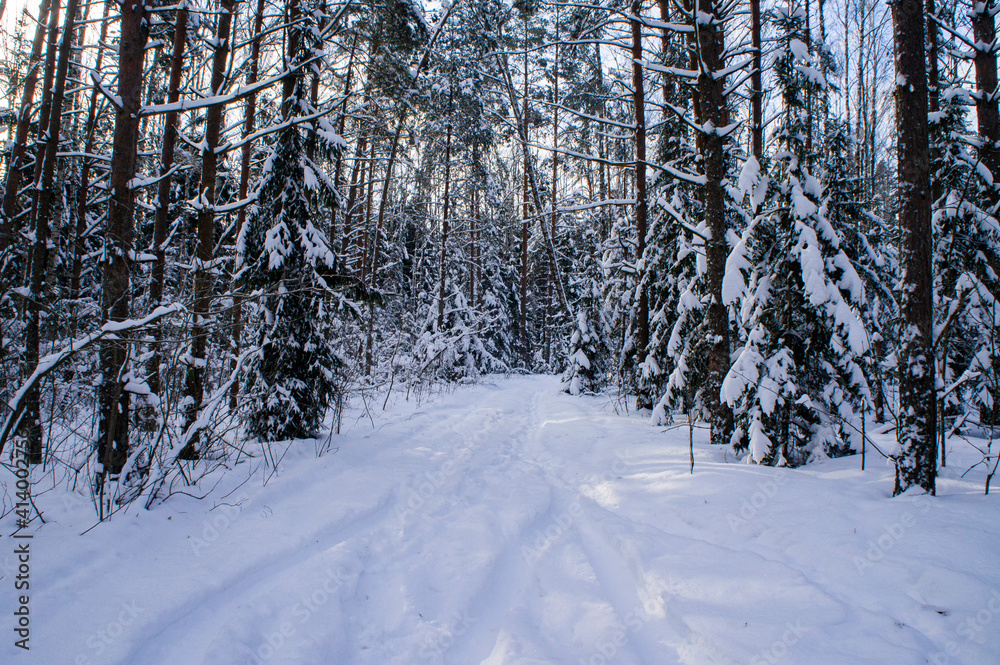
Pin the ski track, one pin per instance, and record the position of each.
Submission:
(573, 562)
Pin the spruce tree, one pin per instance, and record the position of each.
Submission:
(289, 265)
(796, 383)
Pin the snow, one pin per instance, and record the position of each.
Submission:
(512, 523)
(800, 50)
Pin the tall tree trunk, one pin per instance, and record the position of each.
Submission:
(446, 208)
(525, 211)
(13, 182)
(81, 201)
(824, 94)
(160, 223)
(40, 255)
(197, 363)
(49, 71)
(933, 96)
(603, 177)
(550, 275)
(292, 11)
(847, 63)
(757, 91)
(352, 241)
(809, 90)
(358, 171)
(246, 152)
(365, 236)
(711, 109)
(860, 132)
(341, 126)
(643, 398)
(474, 231)
(987, 110)
(113, 428)
(916, 462)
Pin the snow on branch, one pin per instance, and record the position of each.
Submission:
(53, 360)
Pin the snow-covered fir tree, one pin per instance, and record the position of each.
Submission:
(287, 262)
(796, 383)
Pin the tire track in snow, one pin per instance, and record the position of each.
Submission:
(187, 630)
(428, 608)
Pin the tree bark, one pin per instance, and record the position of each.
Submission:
(45, 168)
(551, 276)
(916, 462)
(341, 126)
(446, 208)
(712, 112)
(113, 428)
(81, 200)
(241, 216)
(525, 211)
(643, 398)
(197, 363)
(13, 182)
(987, 111)
(49, 71)
(160, 223)
(756, 85)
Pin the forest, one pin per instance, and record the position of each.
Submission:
(224, 221)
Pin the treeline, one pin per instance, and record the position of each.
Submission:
(222, 220)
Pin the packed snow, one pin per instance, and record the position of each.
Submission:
(510, 522)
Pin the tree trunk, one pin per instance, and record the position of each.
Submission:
(987, 111)
(13, 183)
(341, 125)
(933, 91)
(916, 462)
(444, 224)
(550, 273)
(756, 92)
(49, 71)
(163, 192)
(474, 270)
(81, 201)
(40, 255)
(711, 107)
(847, 63)
(241, 216)
(525, 211)
(358, 171)
(643, 398)
(197, 363)
(113, 429)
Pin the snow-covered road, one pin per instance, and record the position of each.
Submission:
(511, 523)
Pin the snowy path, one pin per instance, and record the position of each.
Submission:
(510, 523)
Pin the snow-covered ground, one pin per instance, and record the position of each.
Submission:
(511, 523)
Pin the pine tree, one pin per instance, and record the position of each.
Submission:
(916, 462)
